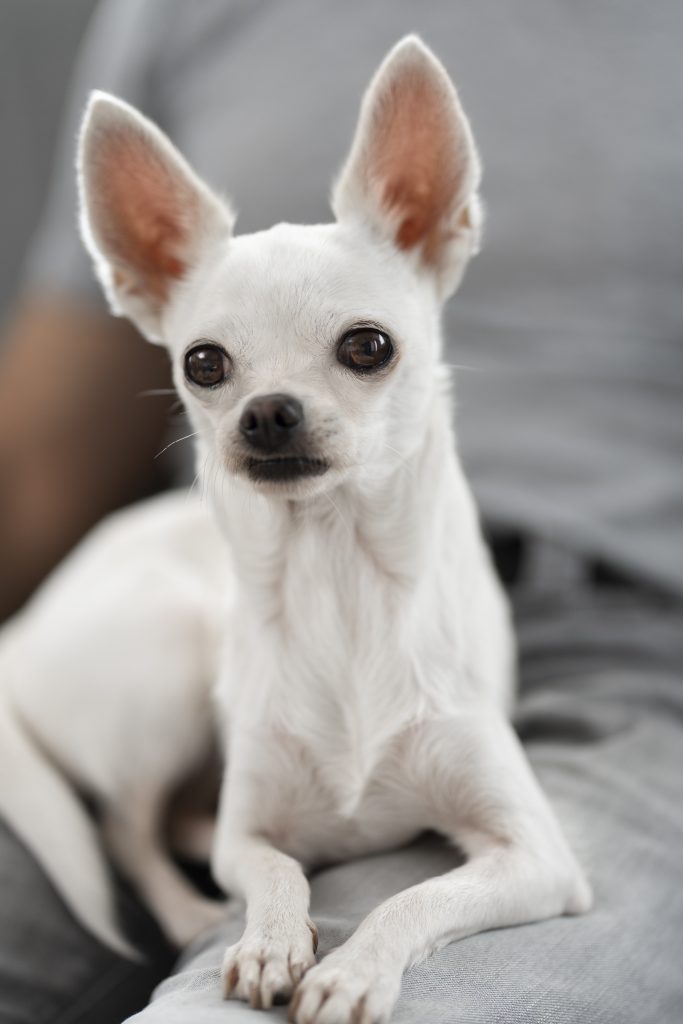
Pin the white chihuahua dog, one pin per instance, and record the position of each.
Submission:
(360, 641)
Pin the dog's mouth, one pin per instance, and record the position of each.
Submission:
(285, 468)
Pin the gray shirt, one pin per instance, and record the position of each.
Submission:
(569, 326)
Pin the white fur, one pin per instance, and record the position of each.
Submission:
(366, 670)
(105, 683)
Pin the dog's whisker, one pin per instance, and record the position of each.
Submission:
(464, 366)
(208, 477)
(197, 479)
(214, 480)
(155, 392)
(205, 496)
(338, 511)
(177, 441)
(403, 461)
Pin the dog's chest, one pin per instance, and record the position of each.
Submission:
(320, 683)
(306, 806)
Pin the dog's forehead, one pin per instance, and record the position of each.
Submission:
(292, 263)
(296, 282)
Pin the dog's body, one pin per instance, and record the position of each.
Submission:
(366, 660)
(106, 680)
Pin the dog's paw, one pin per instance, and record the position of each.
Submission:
(265, 969)
(344, 990)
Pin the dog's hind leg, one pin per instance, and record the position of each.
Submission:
(192, 836)
(135, 841)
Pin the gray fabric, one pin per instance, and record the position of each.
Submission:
(570, 322)
(51, 971)
(602, 715)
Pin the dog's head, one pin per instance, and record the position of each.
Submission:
(305, 355)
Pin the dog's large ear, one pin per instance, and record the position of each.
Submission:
(146, 217)
(413, 172)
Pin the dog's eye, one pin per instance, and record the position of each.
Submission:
(365, 349)
(207, 365)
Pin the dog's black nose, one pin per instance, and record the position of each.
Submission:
(270, 421)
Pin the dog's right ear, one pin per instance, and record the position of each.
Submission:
(146, 218)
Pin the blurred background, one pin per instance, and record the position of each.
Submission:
(38, 44)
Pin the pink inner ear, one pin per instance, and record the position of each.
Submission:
(419, 160)
(145, 214)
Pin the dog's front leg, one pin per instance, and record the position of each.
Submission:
(482, 794)
(279, 939)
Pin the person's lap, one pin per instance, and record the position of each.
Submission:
(601, 714)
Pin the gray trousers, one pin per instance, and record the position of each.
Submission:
(601, 714)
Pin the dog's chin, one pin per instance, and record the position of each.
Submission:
(284, 469)
(286, 475)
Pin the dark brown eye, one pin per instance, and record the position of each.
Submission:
(207, 365)
(365, 349)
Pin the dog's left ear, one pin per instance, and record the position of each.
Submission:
(413, 172)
